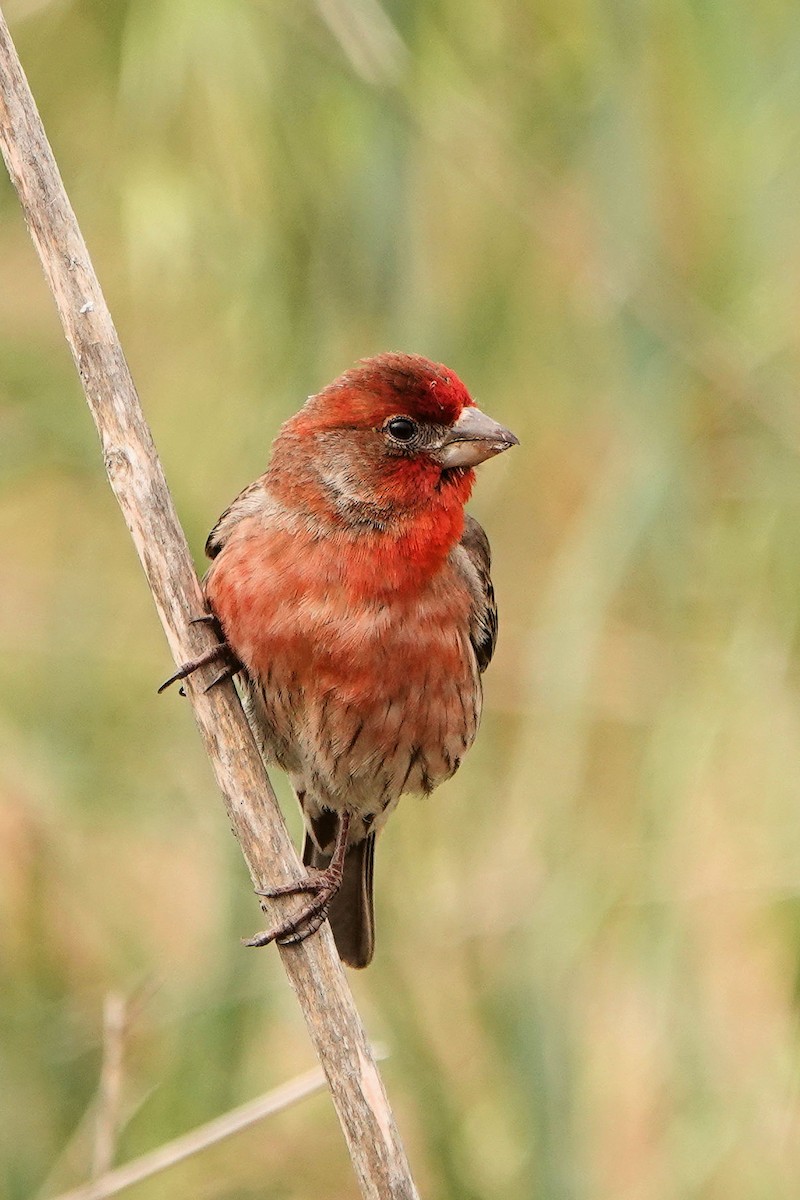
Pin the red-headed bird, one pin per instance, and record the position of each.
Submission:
(355, 594)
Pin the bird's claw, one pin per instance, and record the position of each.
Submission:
(323, 886)
(215, 654)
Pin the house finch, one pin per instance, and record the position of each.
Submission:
(355, 596)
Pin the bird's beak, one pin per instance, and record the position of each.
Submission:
(472, 439)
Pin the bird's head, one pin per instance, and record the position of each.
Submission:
(393, 434)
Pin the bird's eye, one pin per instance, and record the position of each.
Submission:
(402, 429)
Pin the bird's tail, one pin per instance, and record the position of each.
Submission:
(350, 912)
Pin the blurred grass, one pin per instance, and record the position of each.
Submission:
(589, 942)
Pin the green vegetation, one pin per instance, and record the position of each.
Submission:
(589, 942)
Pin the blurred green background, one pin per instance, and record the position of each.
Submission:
(589, 941)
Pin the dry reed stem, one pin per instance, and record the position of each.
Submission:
(198, 1139)
(115, 1020)
(138, 482)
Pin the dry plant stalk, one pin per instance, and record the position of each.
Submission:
(115, 1018)
(171, 1153)
(138, 482)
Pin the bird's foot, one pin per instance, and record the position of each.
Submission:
(219, 653)
(323, 886)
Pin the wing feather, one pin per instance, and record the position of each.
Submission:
(246, 504)
(483, 622)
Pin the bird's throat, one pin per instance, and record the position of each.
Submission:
(403, 558)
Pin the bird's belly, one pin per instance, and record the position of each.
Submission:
(364, 712)
(360, 695)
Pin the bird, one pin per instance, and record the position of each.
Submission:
(355, 604)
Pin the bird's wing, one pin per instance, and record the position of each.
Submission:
(483, 618)
(246, 504)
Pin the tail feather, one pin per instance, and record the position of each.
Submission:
(351, 912)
